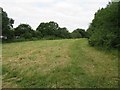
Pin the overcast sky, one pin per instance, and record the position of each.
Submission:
(67, 13)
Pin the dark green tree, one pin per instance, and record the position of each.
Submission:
(76, 34)
(62, 33)
(52, 30)
(24, 31)
(47, 29)
(79, 33)
(7, 25)
(104, 31)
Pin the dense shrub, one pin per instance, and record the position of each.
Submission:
(7, 25)
(79, 33)
(104, 31)
(51, 30)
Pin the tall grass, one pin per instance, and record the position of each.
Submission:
(69, 63)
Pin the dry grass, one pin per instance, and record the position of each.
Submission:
(58, 63)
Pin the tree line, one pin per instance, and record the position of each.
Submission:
(46, 30)
(104, 31)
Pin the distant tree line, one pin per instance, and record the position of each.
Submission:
(48, 30)
(104, 31)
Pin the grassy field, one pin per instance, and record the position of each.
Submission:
(58, 64)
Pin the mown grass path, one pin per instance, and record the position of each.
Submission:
(58, 64)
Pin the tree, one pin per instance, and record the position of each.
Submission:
(48, 29)
(104, 30)
(0, 21)
(76, 34)
(52, 30)
(7, 25)
(82, 32)
(79, 33)
(62, 33)
(24, 31)
(37, 34)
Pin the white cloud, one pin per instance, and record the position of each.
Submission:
(67, 13)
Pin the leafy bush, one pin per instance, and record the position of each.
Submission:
(104, 30)
(79, 33)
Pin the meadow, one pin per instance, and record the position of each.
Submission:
(68, 63)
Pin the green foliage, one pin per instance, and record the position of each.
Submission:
(79, 33)
(52, 30)
(104, 30)
(37, 34)
(7, 27)
(0, 21)
(62, 33)
(47, 28)
(24, 31)
(76, 34)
